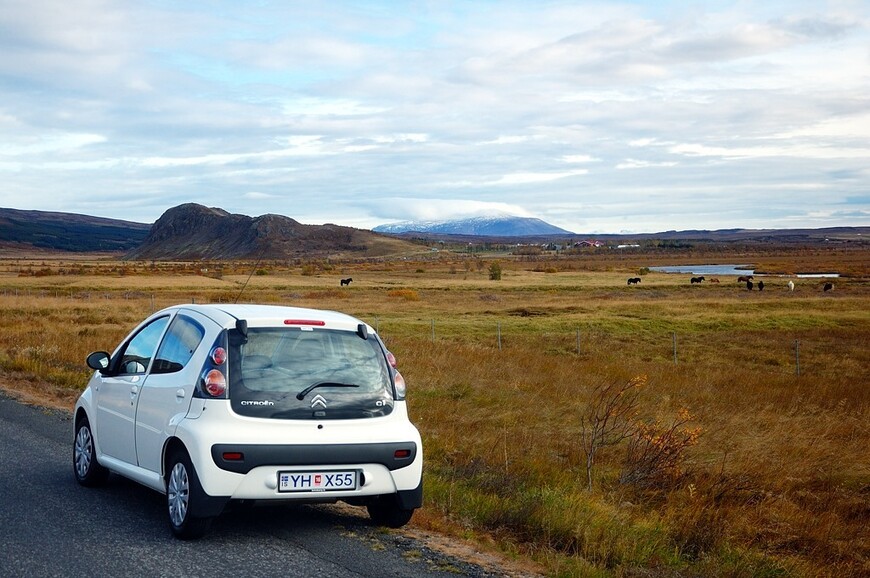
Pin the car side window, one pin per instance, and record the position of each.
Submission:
(182, 339)
(138, 352)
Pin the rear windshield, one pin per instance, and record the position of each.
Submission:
(338, 374)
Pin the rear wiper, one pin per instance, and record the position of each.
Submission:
(314, 386)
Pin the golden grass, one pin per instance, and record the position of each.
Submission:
(778, 483)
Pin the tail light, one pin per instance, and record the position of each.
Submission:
(213, 377)
(215, 383)
(399, 381)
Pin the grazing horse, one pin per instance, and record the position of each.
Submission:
(634, 281)
(761, 285)
(697, 280)
(714, 280)
(828, 287)
(744, 278)
(791, 285)
(749, 285)
(346, 281)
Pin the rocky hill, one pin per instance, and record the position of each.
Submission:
(194, 232)
(69, 231)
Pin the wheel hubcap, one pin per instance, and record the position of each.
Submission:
(84, 448)
(178, 494)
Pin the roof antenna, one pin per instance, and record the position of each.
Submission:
(251, 275)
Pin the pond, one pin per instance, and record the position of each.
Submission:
(727, 269)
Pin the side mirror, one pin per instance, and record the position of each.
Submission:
(98, 360)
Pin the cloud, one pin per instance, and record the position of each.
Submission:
(359, 113)
(531, 178)
(406, 209)
(639, 164)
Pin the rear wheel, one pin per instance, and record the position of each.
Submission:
(87, 470)
(387, 511)
(182, 484)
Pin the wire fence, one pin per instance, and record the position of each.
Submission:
(797, 353)
(801, 353)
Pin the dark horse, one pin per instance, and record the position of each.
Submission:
(749, 285)
(697, 280)
(346, 281)
(634, 281)
(828, 287)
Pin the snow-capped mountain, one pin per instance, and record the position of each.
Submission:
(501, 226)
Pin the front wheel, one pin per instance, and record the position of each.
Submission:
(182, 484)
(387, 511)
(87, 470)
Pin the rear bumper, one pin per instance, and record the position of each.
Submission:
(246, 457)
(242, 458)
(411, 499)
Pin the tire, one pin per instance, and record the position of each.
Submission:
(386, 511)
(86, 468)
(182, 489)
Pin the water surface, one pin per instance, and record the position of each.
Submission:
(727, 269)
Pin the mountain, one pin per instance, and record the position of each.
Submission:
(69, 231)
(502, 226)
(196, 232)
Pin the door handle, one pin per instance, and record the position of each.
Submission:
(179, 393)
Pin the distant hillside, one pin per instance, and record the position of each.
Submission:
(69, 231)
(852, 235)
(501, 226)
(194, 232)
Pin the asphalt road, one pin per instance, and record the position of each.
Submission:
(51, 526)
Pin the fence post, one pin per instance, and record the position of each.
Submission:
(433, 331)
(578, 342)
(498, 331)
(797, 357)
(675, 347)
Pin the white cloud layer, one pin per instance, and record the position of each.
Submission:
(594, 116)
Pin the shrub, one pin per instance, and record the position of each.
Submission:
(609, 418)
(656, 453)
(406, 294)
(495, 271)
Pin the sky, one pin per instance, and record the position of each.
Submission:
(597, 117)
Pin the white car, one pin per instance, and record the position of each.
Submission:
(212, 403)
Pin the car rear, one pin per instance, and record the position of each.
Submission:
(302, 404)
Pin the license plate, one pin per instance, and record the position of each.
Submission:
(318, 481)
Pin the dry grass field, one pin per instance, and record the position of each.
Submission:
(742, 449)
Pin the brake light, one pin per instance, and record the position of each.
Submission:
(219, 355)
(214, 383)
(402, 454)
(316, 322)
(391, 359)
(400, 385)
(214, 377)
